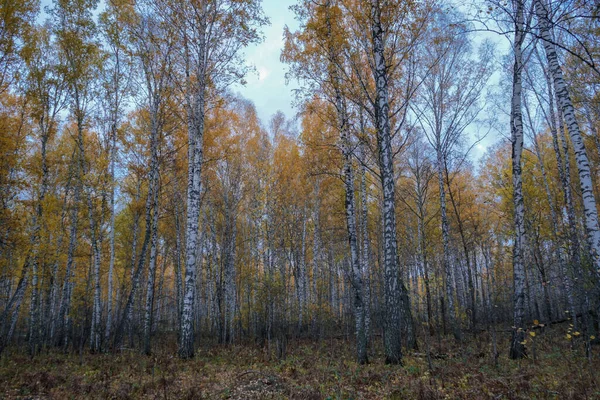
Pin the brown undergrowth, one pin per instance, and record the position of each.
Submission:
(311, 370)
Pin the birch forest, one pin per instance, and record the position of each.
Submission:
(422, 225)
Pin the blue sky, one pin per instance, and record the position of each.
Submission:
(267, 88)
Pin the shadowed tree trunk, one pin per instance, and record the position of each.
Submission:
(392, 332)
(517, 348)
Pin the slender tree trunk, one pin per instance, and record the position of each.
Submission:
(465, 248)
(355, 262)
(517, 349)
(134, 246)
(364, 227)
(151, 206)
(177, 261)
(392, 331)
(195, 105)
(302, 276)
(65, 302)
(151, 279)
(566, 105)
(15, 301)
(316, 261)
(350, 206)
(111, 266)
(454, 324)
(583, 166)
(554, 121)
(95, 335)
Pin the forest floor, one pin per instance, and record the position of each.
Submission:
(311, 370)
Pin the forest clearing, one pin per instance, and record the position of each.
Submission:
(299, 199)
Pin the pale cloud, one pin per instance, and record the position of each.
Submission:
(266, 88)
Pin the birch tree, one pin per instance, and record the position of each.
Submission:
(517, 348)
(211, 38)
(113, 27)
(154, 53)
(450, 101)
(567, 110)
(75, 31)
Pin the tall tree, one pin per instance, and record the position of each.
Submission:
(211, 36)
(450, 101)
(75, 31)
(567, 110)
(517, 348)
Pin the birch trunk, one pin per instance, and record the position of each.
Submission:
(355, 262)
(350, 207)
(517, 349)
(15, 301)
(302, 276)
(583, 167)
(95, 336)
(566, 106)
(177, 262)
(392, 332)
(230, 278)
(364, 221)
(568, 198)
(150, 207)
(195, 110)
(446, 245)
(134, 245)
(34, 315)
(316, 261)
(151, 279)
(465, 247)
(65, 302)
(111, 266)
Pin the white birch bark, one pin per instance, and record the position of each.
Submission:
(350, 204)
(456, 331)
(302, 275)
(517, 349)
(148, 313)
(111, 266)
(392, 331)
(586, 185)
(351, 226)
(95, 336)
(568, 111)
(565, 179)
(317, 256)
(195, 98)
(65, 301)
(365, 254)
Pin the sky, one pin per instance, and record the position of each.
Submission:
(267, 88)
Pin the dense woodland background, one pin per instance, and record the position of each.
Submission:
(144, 204)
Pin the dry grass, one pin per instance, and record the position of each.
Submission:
(312, 370)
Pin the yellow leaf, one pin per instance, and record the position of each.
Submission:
(524, 342)
(568, 336)
(592, 337)
(576, 333)
(532, 334)
(536, 322)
